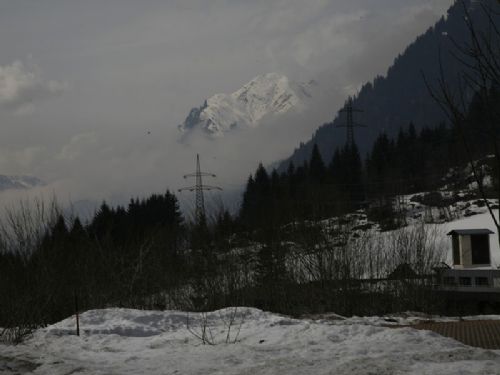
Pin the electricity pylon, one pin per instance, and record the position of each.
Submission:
(199, 188)
(350, 124)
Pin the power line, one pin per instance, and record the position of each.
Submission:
(198, 188)
(350, 124)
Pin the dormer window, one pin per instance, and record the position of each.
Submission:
(471, 247)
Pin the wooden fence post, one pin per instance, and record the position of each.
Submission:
(77, 315)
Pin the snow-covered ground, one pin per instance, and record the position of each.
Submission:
(475, 217)
(122, 341)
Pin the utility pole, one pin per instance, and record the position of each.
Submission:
(350, 142)
(199, 188)
(77, 314)
(350, 124)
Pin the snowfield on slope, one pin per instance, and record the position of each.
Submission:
(124, 341)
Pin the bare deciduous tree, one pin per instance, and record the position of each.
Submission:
(480, 59)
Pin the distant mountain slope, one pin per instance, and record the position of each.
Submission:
(18, 182)
(401, 96)
(265, 95)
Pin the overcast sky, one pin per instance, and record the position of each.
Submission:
(83, 82)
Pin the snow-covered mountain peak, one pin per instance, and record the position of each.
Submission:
(267, 94)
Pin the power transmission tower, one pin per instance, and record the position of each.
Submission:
(350, 124)
(199, 188)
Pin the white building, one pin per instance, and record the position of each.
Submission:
(472, 271)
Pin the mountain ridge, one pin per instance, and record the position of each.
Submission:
(401, 96)
(19, 182)
(265, 95)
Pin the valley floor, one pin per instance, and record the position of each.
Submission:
(246, 341)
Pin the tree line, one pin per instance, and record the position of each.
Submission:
(414, 161)
(123, 256)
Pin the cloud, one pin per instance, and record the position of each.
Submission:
(79, 145)
(139, 67)
(20, 160)
(20, 87)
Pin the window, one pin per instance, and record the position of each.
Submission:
(456, 249)
(482, 281)
(464, 281)
(449, 280)
(480, 246)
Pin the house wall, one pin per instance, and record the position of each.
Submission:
(493, 276)
(466, 251)
(496, 282)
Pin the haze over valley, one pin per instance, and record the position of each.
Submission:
(91, 101)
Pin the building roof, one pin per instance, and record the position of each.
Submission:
(402, 271)
(465, 232)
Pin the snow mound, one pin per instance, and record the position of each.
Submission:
(124, 341)
(140, 323)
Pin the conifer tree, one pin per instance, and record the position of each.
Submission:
(317, 169)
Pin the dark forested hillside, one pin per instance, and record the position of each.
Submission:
(123, 254)
(401, 96)
(409, 162)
